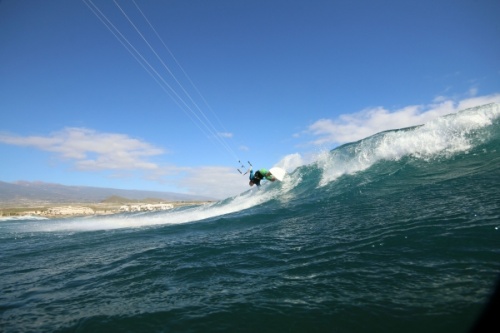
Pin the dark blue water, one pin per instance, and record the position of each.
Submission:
(396, 233)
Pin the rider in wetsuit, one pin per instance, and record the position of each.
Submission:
(256, 177)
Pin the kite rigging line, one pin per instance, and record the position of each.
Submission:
(175, 90)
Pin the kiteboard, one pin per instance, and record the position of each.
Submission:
(278, 173)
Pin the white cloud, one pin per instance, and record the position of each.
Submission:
(215, 182)
(90, 150)
(356, 126)
(225, 134)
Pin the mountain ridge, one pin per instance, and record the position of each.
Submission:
(37, 191)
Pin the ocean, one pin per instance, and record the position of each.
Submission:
(398, 232)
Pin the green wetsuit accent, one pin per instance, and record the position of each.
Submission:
(263, 172)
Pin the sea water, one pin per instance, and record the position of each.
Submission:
(398, 232)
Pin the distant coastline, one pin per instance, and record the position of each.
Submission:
(76, 209)
(47, 200)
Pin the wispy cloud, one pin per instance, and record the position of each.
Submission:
(91, 150)
(356, 126)
(213, 181)
(225, 134)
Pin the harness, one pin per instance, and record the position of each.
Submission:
(257, 177)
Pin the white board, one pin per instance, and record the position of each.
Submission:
(278, 173)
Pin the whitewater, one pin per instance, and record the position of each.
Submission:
(396, 232)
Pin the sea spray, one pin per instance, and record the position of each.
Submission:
(442, 137)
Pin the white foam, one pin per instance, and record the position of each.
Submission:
(246, 200)
(443, 136)
(21, 218)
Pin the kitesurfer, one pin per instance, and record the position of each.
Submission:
(260, 174)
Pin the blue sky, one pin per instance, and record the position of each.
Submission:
(273, 82)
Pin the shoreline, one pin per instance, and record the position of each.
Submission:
(79, 209)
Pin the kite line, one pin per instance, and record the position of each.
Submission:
(155, 65)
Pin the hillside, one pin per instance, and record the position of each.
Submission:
(29, 193)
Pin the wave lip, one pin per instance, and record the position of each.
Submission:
(441, 137)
